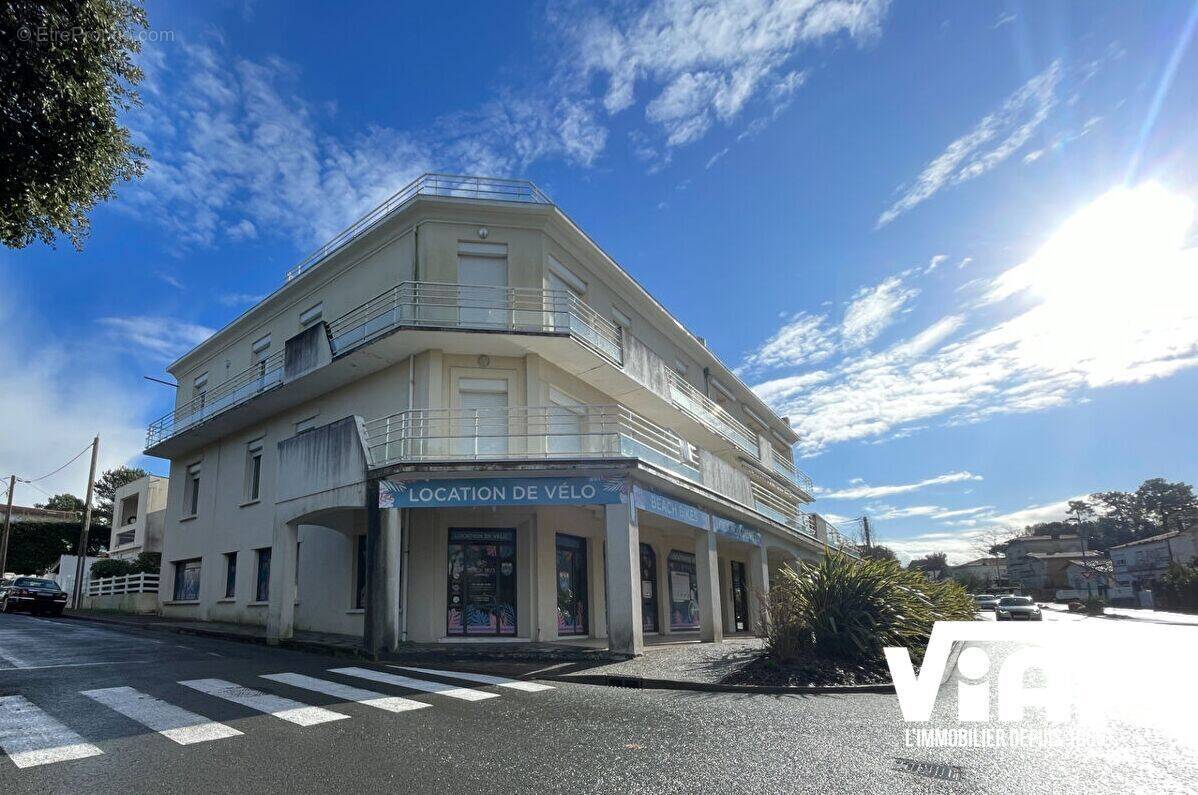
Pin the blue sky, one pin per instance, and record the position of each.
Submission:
(954, 242)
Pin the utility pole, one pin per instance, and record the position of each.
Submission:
(81, 553)
(869, 544)
(12, 486)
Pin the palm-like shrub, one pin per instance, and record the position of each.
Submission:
(844, 610)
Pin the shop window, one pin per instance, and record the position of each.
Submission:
(684, 590)
(571, 585)
(187, 580)
(481, 582)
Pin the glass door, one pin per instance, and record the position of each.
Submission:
(740, 598)
(482, 582)
(571, 585)
(648, 588)
(684, 590)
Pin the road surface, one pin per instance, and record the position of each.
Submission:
(86, 707)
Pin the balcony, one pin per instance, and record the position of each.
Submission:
(477, 308)
(785, 467)
(550, 433)
(441, 185)
(254, 380)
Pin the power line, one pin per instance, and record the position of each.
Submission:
(61, 468)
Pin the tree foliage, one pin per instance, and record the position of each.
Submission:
(63, 502)
(35, 547)
(933, 564)
(877, 552)
(66, 73)
(106, 486)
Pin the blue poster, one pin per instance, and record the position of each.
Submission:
(735, 530)
(468, 492)
(658, 503)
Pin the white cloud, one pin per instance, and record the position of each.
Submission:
(162, 338)
(239, 299)
(958, 548)
(1005, 18)
(704, 61)
(867, 492)
(56, 397)
(803, 340)
(170, 279)
(995, 138)
(873, 309)
(934, 262)
(1104, 301)
(237, 152)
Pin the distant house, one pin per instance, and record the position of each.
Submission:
(1046, 571)
(138, 516)
(1142, 563)
(23, 513)
(1018, 550)
(991, 571)
(1091, 576)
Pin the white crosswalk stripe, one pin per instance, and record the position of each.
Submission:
(464, 693)
(347, 692)
(284, 708)
(31, 737)
(174, 723)
(484, 679)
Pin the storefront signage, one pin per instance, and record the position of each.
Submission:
(658, 503)
(735, 530)
(467, 492)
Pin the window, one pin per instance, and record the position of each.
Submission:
(680, 367)
(360, 573)
(253, 470)
(564, 424)
(565, 291)
(230, 575)
(306, 424)
(484, 418)
(187, 580)
(262, 584)
(482, 273)
(312, 314)
(259, 352)
(621, 319)
(191, 491)
(199, 390)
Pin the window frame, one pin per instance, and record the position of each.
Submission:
(191, 489)
(231, 575)
(312, 315)
(260, 554)
(180, 567)
(252, 491)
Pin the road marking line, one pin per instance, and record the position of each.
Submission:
(75, 665)
(514, 684)
(31, 737)
(284, 708)
(464, 693)
(173, 723)
(368, 697)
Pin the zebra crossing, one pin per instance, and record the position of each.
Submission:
(31, 737)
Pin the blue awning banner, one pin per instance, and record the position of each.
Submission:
(468, 492)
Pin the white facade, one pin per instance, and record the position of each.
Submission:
(469, 331)
(138, 517)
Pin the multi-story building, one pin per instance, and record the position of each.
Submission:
(1046, 572)
(138, 516)
(460, 419)
(989, 571)
(1141, 564)
(1020, 565)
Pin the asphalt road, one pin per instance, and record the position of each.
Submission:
(89, 708)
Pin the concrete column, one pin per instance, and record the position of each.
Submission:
(711, 629)
(664, 608)
(759, 584)
(389, 564)
(596, 588)
(545, 572)
(280, 616)
(625, 632)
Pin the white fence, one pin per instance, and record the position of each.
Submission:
(129, 583)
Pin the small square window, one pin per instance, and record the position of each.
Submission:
(312, 314)
(306, 424)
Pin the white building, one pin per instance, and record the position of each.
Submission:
(1142, 563)
(460, 419)
(138, 517)
(1023, 570)
(991, 571)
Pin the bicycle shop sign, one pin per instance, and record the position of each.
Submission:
(471, 492)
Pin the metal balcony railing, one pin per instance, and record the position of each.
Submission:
(526, 432)
(445, 185)
(486, 308)
(705, 410)
(786, 468)
(781, 508)
(257, 378)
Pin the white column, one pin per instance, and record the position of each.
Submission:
(280, 616)
(664, 608)
(711, 624)
(389, 570)
(545, 571)
(759, 584)
(625, 632)
(596, 587)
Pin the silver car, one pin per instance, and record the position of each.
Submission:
(986, 601)
(1018, 608)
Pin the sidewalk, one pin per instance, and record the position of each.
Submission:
(670, 662)
(1137, 614)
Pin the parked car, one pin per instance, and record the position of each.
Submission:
(1018, 608)
(986, 601)
(34, 594)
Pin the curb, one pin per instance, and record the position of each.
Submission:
(646, 683)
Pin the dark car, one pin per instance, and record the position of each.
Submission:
(34, 594)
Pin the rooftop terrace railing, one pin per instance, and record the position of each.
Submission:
(444, 185)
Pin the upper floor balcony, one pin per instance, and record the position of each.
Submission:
(563, 433)
(615, 362)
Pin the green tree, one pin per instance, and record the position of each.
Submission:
(934, 565)
(35, 547)
(66, 73)
(1165, 504)
(877, 552)
(63, 502)
(106, 486)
